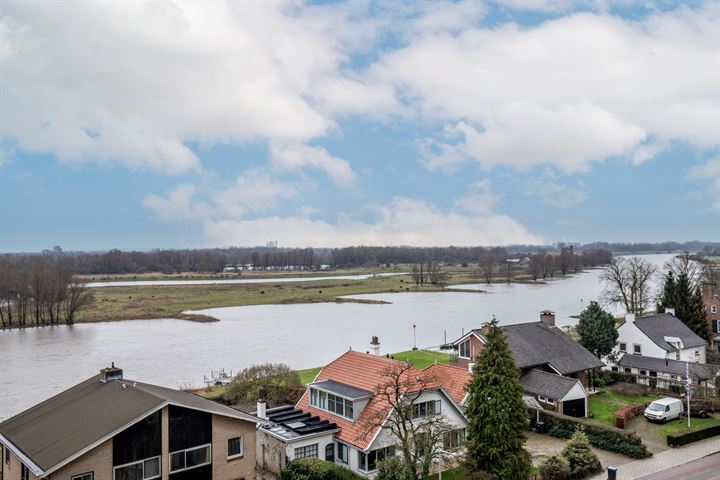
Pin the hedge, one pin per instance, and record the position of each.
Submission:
(627, 413)
(607, 438)
(316, 469)
(685, 438)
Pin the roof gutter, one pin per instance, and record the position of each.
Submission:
(37, 471)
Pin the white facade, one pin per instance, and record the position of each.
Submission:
(633, 341)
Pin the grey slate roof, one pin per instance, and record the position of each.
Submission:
(548, 384)
(536, 343)
(55, 430)
(347, 391)
(673, 367)
(656, 327)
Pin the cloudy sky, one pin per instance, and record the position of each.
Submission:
(149, 124)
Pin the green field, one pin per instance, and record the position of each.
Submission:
(422, 358)
(677, 427)
(307, 376)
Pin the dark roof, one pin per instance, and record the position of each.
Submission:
(52, 432)
(534, 344)
(547, 384)
(347, 391)
(290, 423)
(662, 325)
(673, 367)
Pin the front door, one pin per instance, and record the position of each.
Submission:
(330, 452)
(653, 379)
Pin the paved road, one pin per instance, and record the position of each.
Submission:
(707, 468)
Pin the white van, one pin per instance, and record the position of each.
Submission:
(664, 409)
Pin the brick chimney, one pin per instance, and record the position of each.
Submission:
(111, 373)
(708, 291)
(548, 317)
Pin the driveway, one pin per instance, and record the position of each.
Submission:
(649, 432)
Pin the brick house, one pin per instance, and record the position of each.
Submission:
(711, 300)
(110, 428)
(553, 368)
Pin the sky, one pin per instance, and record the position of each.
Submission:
(139, 125)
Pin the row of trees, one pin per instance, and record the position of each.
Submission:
(429, 272)
(39, 291)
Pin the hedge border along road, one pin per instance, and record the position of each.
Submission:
(690, 437)
(600, 436)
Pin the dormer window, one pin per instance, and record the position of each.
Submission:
(337, 398)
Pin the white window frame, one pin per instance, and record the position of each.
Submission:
(437, 408)
(116, 468)
(713, 308)
(621, 348)
(639, 347)
(321, 399)
(340, 446)
(84, 476)
(547, 400)
(185, 451)
(386, 452)
(468, 350)
(304, 449)
(242, 447)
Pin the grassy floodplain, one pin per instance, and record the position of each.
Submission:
(149, 302)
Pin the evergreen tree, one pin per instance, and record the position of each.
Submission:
(496, 413)
(698, 321)
(583, 461)
(667, 299)
(597, 330)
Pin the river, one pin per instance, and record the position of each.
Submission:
(36, 363)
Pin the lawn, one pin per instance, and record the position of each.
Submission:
(606, 402)
(677, 427)
(422, 358)
(453, 474)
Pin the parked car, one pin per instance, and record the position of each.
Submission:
(664, 409)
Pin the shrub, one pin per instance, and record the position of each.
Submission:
(555, 468)
(684, 439)
(627, 413)
(607, 438)
(479, 475)
(316, 469)
(580, 456)
(393, 468)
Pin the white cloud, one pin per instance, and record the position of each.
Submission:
(403, 222)
(297, 156)
(569, 92)
(555, 193)
(708, 171)
(480, 200)
(177, 204)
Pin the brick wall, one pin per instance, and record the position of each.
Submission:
(224, 428)
(97, 460)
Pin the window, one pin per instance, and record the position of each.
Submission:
(24, 472)
(332, 403)
(7, 454)
(623, 347)
(697, 353)
(342, 453)
(637, 349)
(190, 458)
(643, 372)
(425, 409)
(465, 349)
(368, 462)
(235, 447)
(547, 400)
(713, 308)
(84, 476)
(454, 439)
(614, 369)
(627, 370)
(142, 470)
(716, 326)
(308, 451)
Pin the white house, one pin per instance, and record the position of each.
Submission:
(661, 336)
(336, 418)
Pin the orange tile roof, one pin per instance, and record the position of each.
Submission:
(360, 370)
(453, 379)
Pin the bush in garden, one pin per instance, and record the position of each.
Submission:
(316, 469)
(393, 468)
(555, 468)
(579, 454)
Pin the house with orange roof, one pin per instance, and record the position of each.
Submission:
(344, 415)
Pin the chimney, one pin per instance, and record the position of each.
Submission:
(708, 291)
(111, 373)
(629, 318)
(548, 317)
(375, 346)
(261, 409)
(671, 311)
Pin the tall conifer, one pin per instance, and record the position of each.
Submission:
(496, 412)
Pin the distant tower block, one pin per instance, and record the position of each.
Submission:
(375, 346)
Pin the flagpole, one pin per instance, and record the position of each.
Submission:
(687, 389)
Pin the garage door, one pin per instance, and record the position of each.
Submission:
(574, 408)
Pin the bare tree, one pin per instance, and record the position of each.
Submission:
(78, 296)
(487, 266)
(685, 263)
(536, 267)
(549, 270)
(420, 429)
(628, 282)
